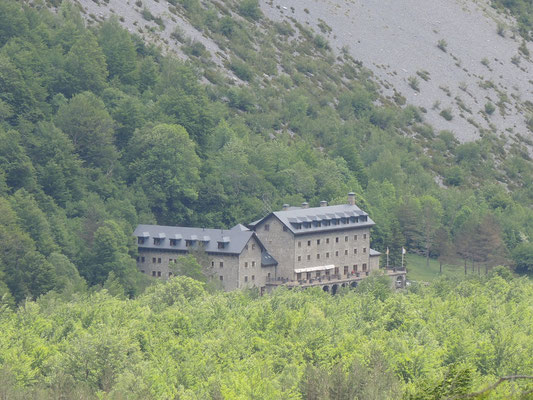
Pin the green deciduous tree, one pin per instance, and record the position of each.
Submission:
(119, 51)
(165, 164)
(88, 124)
(86, 66)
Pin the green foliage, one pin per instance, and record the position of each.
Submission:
(451, 338)
(250, 9)
(523, 257)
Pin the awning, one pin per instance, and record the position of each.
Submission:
(313, 269)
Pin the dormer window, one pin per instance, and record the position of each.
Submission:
(140, 240)
(158, 241)
(220, 245)
(173, 242)
(189, 243)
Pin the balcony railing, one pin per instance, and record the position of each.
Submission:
(331, 278)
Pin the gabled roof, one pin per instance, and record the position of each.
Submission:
(374, 253)
(233, 240)
(320, 219)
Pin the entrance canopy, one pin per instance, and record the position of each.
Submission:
(313, 269)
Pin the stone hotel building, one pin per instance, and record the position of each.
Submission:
(327, 246)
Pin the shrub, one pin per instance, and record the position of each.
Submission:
(414, 83)
(489, 108)
(442, 44)
(250, 9)
(501, 29)
(446, 114)
(241, 69)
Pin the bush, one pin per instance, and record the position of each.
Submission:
(442, 44)
(489, 108)
(446, 114)
(241, 69)
(250, 9)
(414, 83)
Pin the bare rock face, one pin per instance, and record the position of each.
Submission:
(459, 60)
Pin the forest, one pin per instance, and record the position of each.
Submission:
(100, 131)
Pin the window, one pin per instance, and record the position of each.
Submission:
(158, 273)
(299, 258)
(327, 255)
(336, 240)
(346, 252)
(153, 260)
(142, 259)
(138, 258)
(345, 270)
(318, 241)
(253, 263)
(140, 240)
(308, 243)
(318, 256)
(355, 251)
(188, 243)
(317, 274)
(336, 270)
(309, 256)
(364, 236)
(159, 260)
(220, 245)
(221, 277)
(212, 263)
(157, 241)
(355, 268)
(245, 279)
(173, 242)
(354, 237)
(345, 238)
(364, 249)
(221, 264)
(246, 264)
(253, 277)
(318, 224)
(267, 227)
(268, 275)
(337, 253)
(327, 240)
(327, 272)
(364, 267)
(153, 273)
(299, 276)
(299, 244)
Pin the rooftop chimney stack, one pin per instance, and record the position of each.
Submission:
(285, 207)
(351, 198)
(305, 204)
(323, 203)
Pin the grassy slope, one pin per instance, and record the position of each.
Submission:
(417, 270)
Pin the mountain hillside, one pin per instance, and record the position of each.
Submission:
(450, 55)
(462, 62)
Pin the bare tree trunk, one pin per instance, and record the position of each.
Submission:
(465, 266)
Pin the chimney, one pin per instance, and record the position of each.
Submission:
(305, 204)
(351, 198)
(285, 207)
(323, 203)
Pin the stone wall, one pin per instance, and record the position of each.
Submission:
(279, 243)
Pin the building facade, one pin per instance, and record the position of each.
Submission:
(326, 246)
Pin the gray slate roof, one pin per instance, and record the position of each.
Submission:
(307, 220)
(234, 239)
(374, 253)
